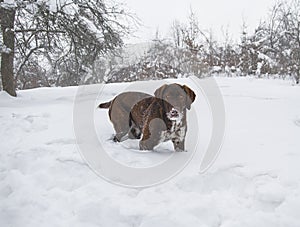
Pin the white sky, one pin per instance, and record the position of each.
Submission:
(212, 14)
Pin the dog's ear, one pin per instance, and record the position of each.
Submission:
(160, 91)
(190, 96)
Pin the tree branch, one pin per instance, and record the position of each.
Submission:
(38, 30)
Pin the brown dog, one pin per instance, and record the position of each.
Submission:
(162, 117)
(119, 109)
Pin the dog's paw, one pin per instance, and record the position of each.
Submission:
(180, 150)
(146, 145)
(115, 139)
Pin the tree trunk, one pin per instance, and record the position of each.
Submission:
(7, 20)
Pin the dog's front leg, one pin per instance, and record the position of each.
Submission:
(149, 141)
(178, 145)
(147, 144)
(152, 134)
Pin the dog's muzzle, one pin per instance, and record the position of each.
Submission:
(174, 113)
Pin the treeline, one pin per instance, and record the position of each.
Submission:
(272, 49)
(75, 42)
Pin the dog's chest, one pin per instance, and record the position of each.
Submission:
(177, 131)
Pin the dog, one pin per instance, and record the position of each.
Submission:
(119, 109)
(163, 117)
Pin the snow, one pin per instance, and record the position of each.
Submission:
(132, 52)
(216, 69)
(266, 58)
(254, 182)
(55, 5)
(92, 27)
(8, 4)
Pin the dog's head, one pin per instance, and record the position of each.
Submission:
(179, 96)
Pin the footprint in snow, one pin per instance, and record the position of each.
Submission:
(31, 122)
(65, 141)
(297, 121)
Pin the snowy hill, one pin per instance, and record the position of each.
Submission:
(254, 182)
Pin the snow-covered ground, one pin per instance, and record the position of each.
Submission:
(254, 182)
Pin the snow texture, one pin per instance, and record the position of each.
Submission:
(254, 182)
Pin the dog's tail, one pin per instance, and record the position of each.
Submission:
(105, 105)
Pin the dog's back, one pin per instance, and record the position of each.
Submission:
(119, 109)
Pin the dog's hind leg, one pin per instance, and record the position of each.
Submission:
(120, 137)
(134, 133)
(121, 129)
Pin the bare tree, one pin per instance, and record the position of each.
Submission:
(176, 30)
(285, 37)
(7, 19)
(68, 35)
(292, 21)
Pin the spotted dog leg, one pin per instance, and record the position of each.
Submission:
(178, 145)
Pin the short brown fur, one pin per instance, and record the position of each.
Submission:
(149, 116)
(119, 109)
